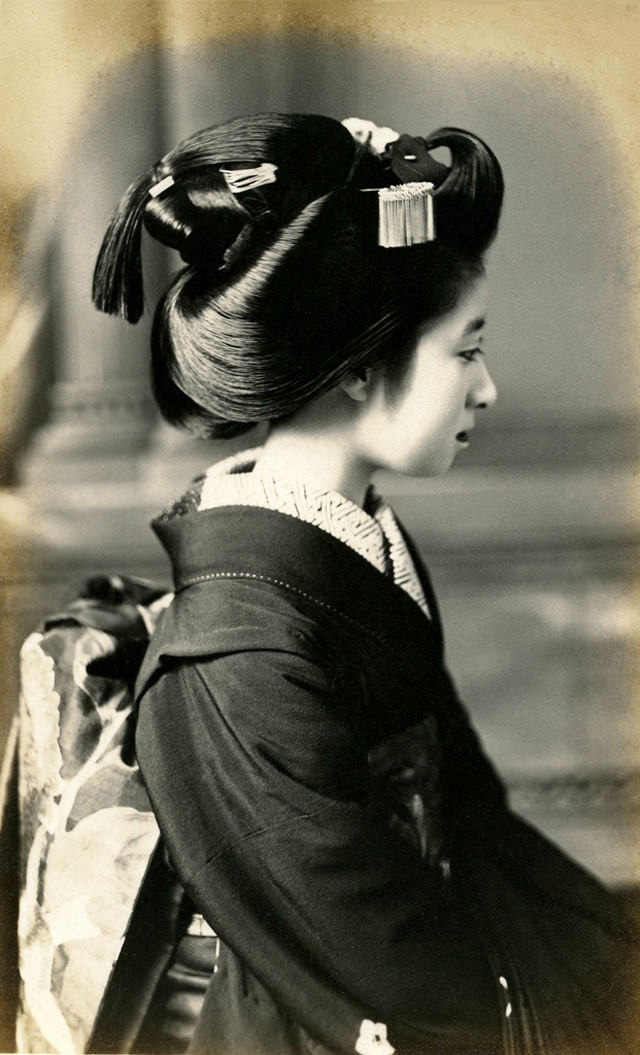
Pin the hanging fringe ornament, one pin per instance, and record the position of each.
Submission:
(405, 215)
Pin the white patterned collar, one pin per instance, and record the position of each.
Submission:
(372, 532)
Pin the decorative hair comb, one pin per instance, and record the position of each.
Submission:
(240, 180)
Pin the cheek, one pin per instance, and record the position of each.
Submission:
(421, 428)
(417, 439)
(429, 406)
(414, 430)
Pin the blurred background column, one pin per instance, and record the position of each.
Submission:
(100, 404)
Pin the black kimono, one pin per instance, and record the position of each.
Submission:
(327, 807)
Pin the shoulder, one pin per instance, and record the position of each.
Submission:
(244, 616)
(239, 670)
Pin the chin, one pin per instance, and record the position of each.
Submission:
(422, 468)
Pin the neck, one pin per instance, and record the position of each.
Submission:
(323, 455)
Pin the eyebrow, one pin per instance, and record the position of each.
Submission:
(474, 326)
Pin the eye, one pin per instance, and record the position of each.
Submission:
(470, 354)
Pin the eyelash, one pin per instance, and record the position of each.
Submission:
(469, 354)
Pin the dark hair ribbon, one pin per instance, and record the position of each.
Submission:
(411, 162)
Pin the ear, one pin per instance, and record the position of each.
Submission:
(357, 385)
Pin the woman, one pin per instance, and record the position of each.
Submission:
(350, 877)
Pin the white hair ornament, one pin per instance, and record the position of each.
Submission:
(405, 210)
(240, 180)
(373, 1039)
(405, 215)
(367, 133)
(161, 187)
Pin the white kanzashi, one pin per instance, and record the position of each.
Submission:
(373, 1039)
(159, 188)
(240, 180)
(405, 215)
(361, 130)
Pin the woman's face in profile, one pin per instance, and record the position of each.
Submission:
(419, 429)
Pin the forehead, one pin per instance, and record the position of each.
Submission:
(467, 319)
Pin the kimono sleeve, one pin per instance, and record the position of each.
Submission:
(258, 781)
(470, 779)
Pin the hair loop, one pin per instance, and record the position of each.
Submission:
(469, 199)
(117, 279)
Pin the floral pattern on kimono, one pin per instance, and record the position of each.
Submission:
(87, 829)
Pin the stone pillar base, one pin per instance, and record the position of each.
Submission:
(97, 432)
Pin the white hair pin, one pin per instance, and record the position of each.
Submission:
(405, 215)
(161, 187)
(240, 180)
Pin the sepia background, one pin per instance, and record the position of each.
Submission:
(532, 537)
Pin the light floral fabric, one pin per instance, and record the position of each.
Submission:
(87, 829)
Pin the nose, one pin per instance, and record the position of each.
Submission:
(483, 392)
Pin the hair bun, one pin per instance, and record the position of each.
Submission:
(199, 215)
(469, 200)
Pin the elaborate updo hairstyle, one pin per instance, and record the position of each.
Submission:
(286, 291)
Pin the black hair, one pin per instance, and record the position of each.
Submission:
(286, 291)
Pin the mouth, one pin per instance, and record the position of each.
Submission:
(463, 438)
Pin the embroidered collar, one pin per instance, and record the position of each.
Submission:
(372, 532)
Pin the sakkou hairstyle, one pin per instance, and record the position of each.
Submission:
(286, 291)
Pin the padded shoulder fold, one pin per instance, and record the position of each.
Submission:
(227, 615)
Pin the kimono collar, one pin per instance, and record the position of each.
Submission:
(250, 479)
(263, 546)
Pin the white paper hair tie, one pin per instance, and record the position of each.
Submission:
(240, 180)
(161, 187)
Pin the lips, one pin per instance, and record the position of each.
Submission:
(462, 437)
